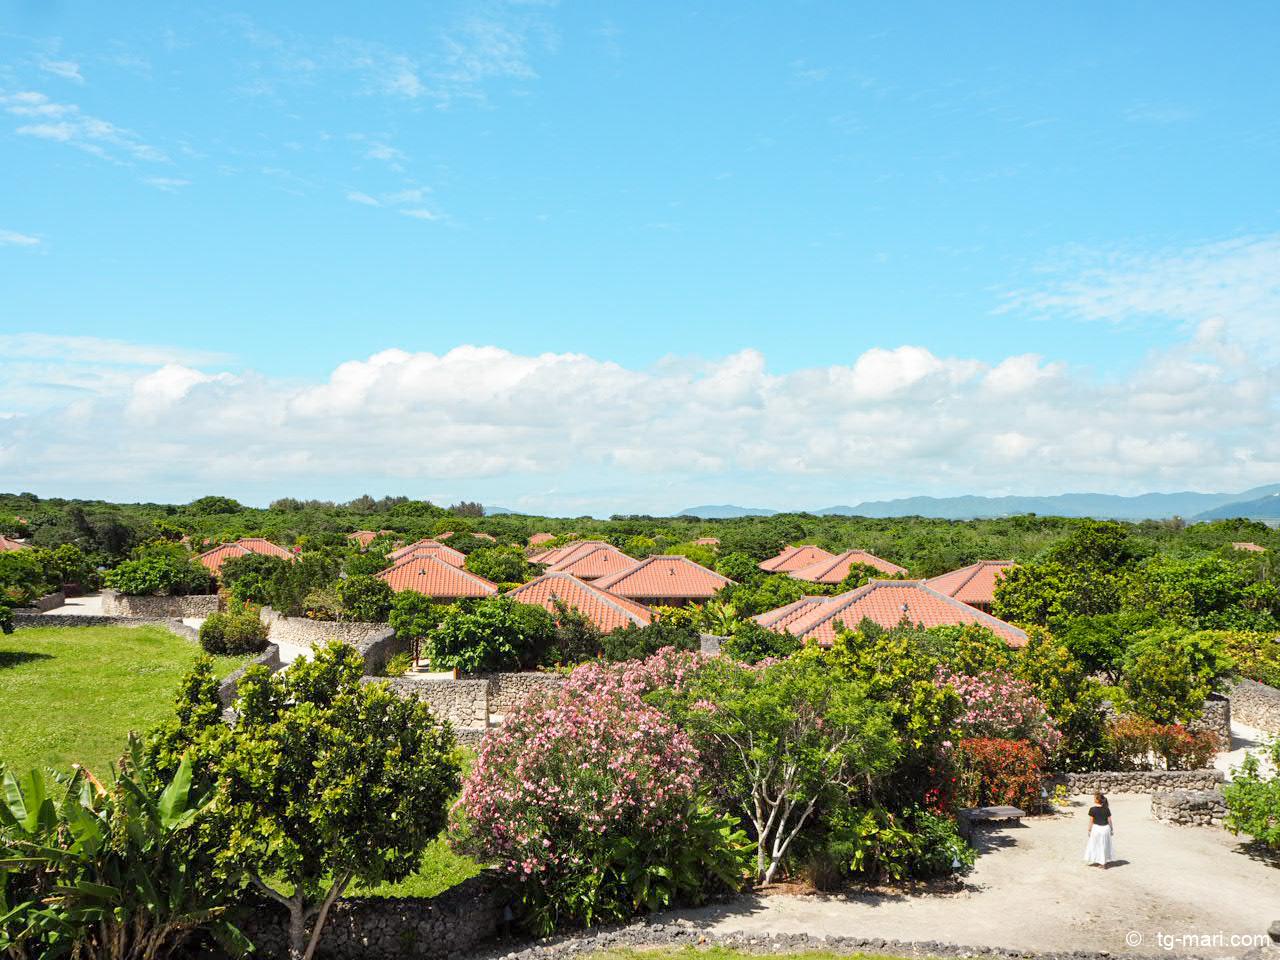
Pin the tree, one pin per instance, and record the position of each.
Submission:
(365, 598)
(1048, 592)
(783, 737)
(254, 578)
(736, 566)
(159, 574)
(751, 643)
(327, 781)
(500, 564)
(214, 505)
(1169, 672)
(1253, 798)
(467, 508)
(1212, 592)
(1099, 642)
(494, 634)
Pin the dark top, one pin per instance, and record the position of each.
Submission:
(1100, 815)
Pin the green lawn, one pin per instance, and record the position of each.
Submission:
(72, 694)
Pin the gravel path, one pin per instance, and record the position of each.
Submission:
(1031, 891)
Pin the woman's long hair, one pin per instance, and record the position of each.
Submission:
(1101, 800)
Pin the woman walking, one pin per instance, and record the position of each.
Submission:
(1099, 851)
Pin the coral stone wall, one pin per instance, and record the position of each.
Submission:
(451, 924)
(35, 620)
(296, 635)
(1140, 781)
(127, 605)
(1215, 717)
(464, 703)
(269, 658)
(1257, 705)
(506, 690)
(1195, 808)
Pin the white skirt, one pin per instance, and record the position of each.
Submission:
(1099, 849)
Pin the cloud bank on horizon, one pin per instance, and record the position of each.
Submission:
(571, 433)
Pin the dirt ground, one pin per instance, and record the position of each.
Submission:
(1031, 890)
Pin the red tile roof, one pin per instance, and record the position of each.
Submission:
(1250, 547)
(8, 545)
(779, 619)
(432, 577)
(455, 558)
(365, 537)
(606, 610)
(482, 536)
(560, 554)
(886, 602)
(540, 538)
(708, 541)
(974, 584)
(793, 558)
(594, 563)
(663, 578)
(835, 569)
(215, 558)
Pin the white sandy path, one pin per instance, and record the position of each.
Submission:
(1031, 891)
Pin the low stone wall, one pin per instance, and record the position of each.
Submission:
(464, 703)
(376, 641)
(269, 658)
(1193, 808)
(1257, 705)
(451, 924)
(47, 602)
(116, 604)
(34, 620)
(1139, 781)
(709, 644)
(1216, 718)
(506, 690)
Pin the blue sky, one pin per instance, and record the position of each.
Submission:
(259, 197)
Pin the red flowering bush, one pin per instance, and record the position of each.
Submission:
(588, 797)
(993, 771)
(997, 705)
(1140, 744)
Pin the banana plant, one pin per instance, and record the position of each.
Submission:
(109, 874)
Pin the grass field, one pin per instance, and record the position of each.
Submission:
(72, 694)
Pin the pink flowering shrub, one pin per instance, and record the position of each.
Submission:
(997, 705)
(589, 798)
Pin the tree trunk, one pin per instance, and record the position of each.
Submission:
(297, 928)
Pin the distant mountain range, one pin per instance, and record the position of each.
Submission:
(1259, 503)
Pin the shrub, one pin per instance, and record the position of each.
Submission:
(634, 642)
(365, 598)
(414, 615)
(1168, 673)
(997, 705)
(500, 564)
(397, 665)
(1253, 799)
(878, 843)
(588, 797)
(493, 634)
(576, 640)
(233, 632)
(993, 771)
(1072, 698)
(1139, 744)
(6, 619)
(253, 577)
(751, 643)
(22, 578)
(1256, 654)
(156, 574)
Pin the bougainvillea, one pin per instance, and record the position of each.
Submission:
(1139, 744)
(996, 771)
(589, 797)
(997, 705)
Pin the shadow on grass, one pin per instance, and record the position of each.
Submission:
(16, 658)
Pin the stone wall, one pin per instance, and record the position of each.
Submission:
(47, 602)
(1215, 717)
(174, 608)
(269, 658)
(296, 635)
(451, 924)
(506, 690)
(1193, 808)
(1139, 781)
(709, 644)
(464, 703)
(34, 620)
(1257, 705)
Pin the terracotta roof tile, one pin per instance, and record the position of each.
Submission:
(594, 563)
(779, 619)
(540, 538)
(974, 584)
(455, 558)
(607, 611)
(432, 577)
(1250, 547)
(561, 554)
(663, 578)
(214, 559)
(835, 568)
(887, 602)
(8, 545)
(793, 558)
(366, 537)
(708, 541)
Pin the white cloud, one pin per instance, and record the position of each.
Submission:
(889, 421)
(12, 238)
(421, 213)
(355, 196)
(66, 69)
(167, 184)
(1222, 293)
(66, 123)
